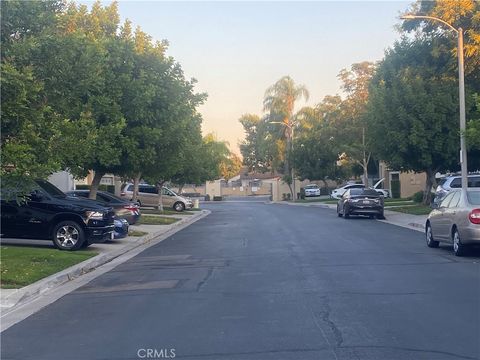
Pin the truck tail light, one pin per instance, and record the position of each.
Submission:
(131, 207)
(474, 216)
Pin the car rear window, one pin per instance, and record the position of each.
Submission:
(474, 181)
(130, 188)
(365, 192)
(456, 183)
(474, 197)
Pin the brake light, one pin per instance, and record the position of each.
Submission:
(131, 207)
(123, 193)
(474, 216)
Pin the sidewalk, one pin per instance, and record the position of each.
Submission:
(413, 222)
(10, 299)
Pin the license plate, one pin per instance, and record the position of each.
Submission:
(365, 202)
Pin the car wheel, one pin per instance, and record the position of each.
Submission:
(429, 237)
(179, 206)
(459, 249)
(338, 212)
(68, 235)
(381, 216)
(346, 212)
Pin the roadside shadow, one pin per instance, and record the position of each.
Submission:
(27, 243)
(471, 253)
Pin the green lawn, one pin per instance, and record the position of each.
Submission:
(155, 220)
(390, 200)
(136, 233)
(21, 265)
(165, 212)
(413, 210)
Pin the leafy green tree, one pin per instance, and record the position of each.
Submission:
(356, 145)
(29, 127)
(261, 150)
(230, 166)
(413, 109)
(460, 14)
(320, 139)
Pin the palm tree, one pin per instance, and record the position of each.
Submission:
(279, 102)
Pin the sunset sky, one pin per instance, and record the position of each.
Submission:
(237, 49)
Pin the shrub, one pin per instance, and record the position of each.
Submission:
(418, 197)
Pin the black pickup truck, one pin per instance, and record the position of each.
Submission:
(47, 213)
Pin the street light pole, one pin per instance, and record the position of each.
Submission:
(461, 91)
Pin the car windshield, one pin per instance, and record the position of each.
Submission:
(311, 187)
(50, 189)
(474, 197)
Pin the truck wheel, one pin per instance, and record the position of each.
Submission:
(68, 235)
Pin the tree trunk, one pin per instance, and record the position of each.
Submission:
(365, 160)
(160, 195)
(136, 181)
(427, 194)
(97, 177)
(180, 188)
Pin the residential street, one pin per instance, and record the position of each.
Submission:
(258, 281)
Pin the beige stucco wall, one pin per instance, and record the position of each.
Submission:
(411, 182)
(265, 189)
(279, 188)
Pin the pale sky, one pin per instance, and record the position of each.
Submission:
(236, 50)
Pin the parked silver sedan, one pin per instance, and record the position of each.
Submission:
(456, 220)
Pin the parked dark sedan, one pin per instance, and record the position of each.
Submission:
(124, 209)
(360, 202)
(48, 214)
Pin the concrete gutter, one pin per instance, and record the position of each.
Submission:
(12, 299)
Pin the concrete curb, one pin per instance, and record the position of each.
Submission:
(32, 291)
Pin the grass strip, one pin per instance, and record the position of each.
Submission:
(22, 265)
(395, 200)
(165, 212)
(137, 233)
(413, 210)
(155, 220)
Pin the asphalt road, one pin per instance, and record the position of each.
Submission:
(256, 281)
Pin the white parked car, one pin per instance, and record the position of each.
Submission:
(312, 190)
(337, 193)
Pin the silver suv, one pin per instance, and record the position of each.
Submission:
(448, 183)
